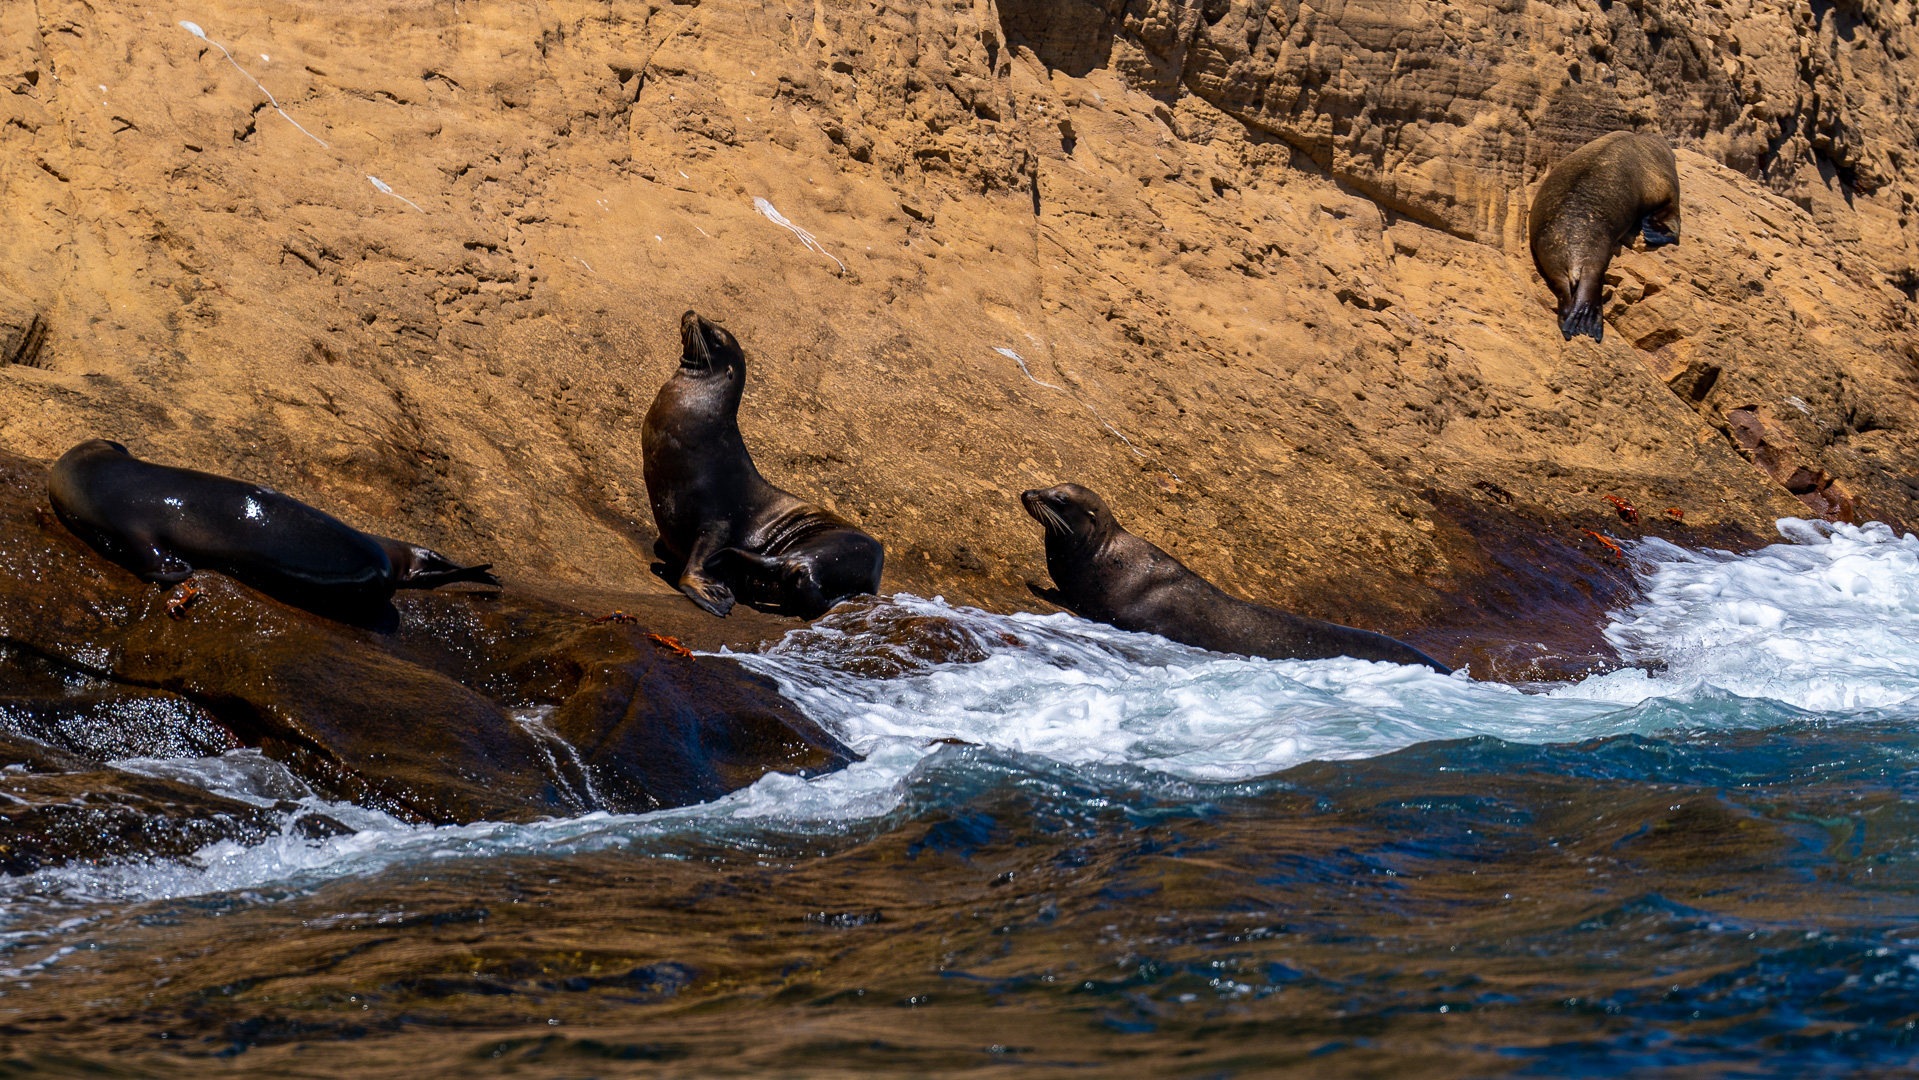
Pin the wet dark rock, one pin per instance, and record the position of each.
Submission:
(438, 720)
(54, 809)
(625, 723)
(641, 719)
(107, 722)
(876, 640)
(321, 827)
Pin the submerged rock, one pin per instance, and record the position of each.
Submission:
(438, 720)
(56, 807)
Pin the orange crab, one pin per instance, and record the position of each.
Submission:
(669, 644)
(616, 617)
(181, 599)
(1675, 513)
(1628, 513)
(1610, 546)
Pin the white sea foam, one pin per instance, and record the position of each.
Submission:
(1826, 624)
(1087, 694)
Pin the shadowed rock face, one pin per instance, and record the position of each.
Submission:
(439, 720)
(1256, 269)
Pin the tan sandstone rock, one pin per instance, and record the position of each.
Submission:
(1255, 271)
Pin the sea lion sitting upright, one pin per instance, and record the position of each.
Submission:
(1592, 202)
(164, 523)
(1107, 574)
(718, 516)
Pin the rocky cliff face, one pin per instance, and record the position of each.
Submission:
(1255, 271)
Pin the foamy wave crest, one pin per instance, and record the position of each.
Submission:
(1829, 622)
(1087, 694)
(769, 813)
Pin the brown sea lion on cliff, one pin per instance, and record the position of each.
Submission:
(1591, 203)
(718, 516)
(1107, 574)
(164, 523)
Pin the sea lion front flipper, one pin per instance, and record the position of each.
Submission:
(1051, 596)
(713, 597)
(1582, 315)
(697, 582)
(158, 565)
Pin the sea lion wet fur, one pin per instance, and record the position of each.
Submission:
(1592, 202)
(1107, 574)
(718, 517)
(164, 523)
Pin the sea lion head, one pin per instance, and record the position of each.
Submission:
(95, 446)
(1069, 513)
(705, 346)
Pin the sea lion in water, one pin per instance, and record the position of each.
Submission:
(1592, 202)
(718, 516)
(1109, 575)
(164, 523)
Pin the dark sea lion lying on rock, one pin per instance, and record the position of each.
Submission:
(454, 716)
(1592, 202)
(731, 529)
(164, 523)
(1107, 574)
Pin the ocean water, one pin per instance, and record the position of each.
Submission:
(1070, 848)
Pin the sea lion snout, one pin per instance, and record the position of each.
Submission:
(1032, 500)
(704, 344)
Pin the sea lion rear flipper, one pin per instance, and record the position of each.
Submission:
(433, 579)
(1661, 227)
(753, 563)
(416, 567)
(1580, 319)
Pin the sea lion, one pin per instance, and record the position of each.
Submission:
(164, 523)
(1107, 574)
(717, 515)
(1591, 203)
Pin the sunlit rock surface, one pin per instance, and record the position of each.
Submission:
(1256, 272)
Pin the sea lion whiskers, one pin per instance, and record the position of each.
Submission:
(1049, 518)
(1069, 513)
(705, 345)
